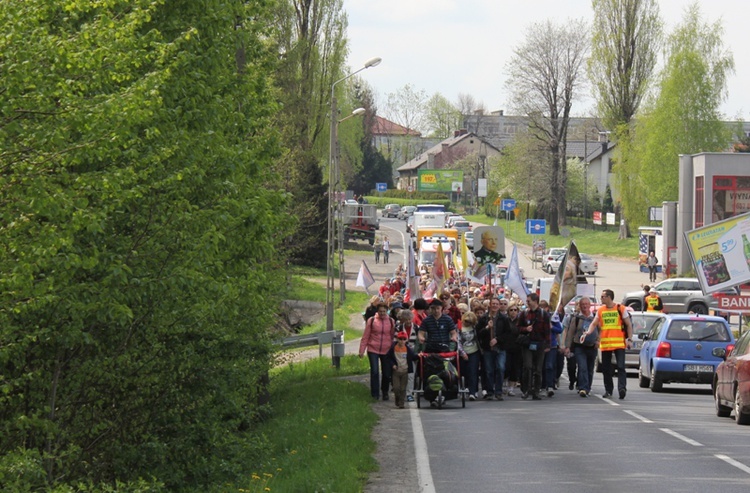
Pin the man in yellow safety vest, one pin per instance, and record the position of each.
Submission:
(615, 335)
(651, 301)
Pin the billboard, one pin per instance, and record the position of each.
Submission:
(438, 180)
(721, 253)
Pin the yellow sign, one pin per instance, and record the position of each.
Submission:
(516, 210)
(497, 201)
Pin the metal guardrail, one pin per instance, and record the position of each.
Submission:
(314, 339)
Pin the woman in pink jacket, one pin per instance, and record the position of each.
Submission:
(377, 340)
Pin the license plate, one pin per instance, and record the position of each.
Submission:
(637, 344)
(699, 368)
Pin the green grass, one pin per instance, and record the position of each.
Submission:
(594, 243)
(356, 301)
(318, 432)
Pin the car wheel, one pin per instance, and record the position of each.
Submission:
(698, 309)
(739, 417)
(655, 383)
(642, 381)
(722, 411)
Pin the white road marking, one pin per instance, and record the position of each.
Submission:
(424, 473)
(638, 416)
(685, 439)
(729, 460)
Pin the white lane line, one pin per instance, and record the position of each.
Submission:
(638, 416)
(424, 474)
(405, 250)
(608, 400)
(730, 461)
(685, 439)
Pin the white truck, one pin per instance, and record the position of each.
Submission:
(430, 220)
(428, 248)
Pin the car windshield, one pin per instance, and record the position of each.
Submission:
(697, 330)
(642, 324)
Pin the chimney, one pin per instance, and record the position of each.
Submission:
(479, 112)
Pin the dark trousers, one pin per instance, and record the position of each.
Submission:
(572, 367)
(585, 361)
(608, 370)
(652, 273)
(376, 384)
(533, 363)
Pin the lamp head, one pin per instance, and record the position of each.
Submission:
(358, 111)
(373, 62)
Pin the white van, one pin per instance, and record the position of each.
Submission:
(543, 286)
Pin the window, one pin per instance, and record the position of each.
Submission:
(699, 205)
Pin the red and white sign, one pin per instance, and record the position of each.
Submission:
(733, 302)
(597, 217)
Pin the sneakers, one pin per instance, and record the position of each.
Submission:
(606, 395)
(571, 385)
(499, 397)
(511, 393)
(486, 396)
(550, 392)
(472, 397)
(536, 397)
(583, 393)
(524, 395)
(409, 398)
(622, 393)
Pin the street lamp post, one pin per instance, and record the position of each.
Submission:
(337, 169)
(337, 346)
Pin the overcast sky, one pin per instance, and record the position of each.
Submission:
(463, 46)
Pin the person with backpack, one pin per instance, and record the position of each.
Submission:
(615, 335)
(584, 352)
(377, 340)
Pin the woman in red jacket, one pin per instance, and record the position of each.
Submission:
(377, 341)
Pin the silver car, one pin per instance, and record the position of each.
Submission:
(678, 295)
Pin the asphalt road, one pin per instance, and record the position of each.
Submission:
(648, 442)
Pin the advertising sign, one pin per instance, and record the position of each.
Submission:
(482, 187)
(721, 253)
(438, 180)
(597, 217)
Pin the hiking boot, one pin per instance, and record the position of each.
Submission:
(606, 395)
(622, 393)
(550, 392)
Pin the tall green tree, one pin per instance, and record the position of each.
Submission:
(684, 118)
(310, 40)
(138, 240)
(545, 79)
(625, 41)
(442, 117)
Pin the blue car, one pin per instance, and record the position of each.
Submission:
(678, 349)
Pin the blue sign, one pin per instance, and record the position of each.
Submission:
(381, 187)
(536, 227)
(508, 204)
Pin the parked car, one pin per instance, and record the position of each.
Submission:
(678, 295)
(642, 322)
(588, 264)
(452, 219)
(552, 254)
(391, 210)
(469, 236)
(410, 223)
(731, 385)
(554, 264)
(406, 212)
(679, 349)
(461, 226)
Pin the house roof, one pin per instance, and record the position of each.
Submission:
(381, 126)
(437, 149)
(577, 148)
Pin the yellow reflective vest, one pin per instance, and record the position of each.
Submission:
(652, 302)
(611, 325)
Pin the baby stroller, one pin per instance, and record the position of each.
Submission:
(438, 378)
